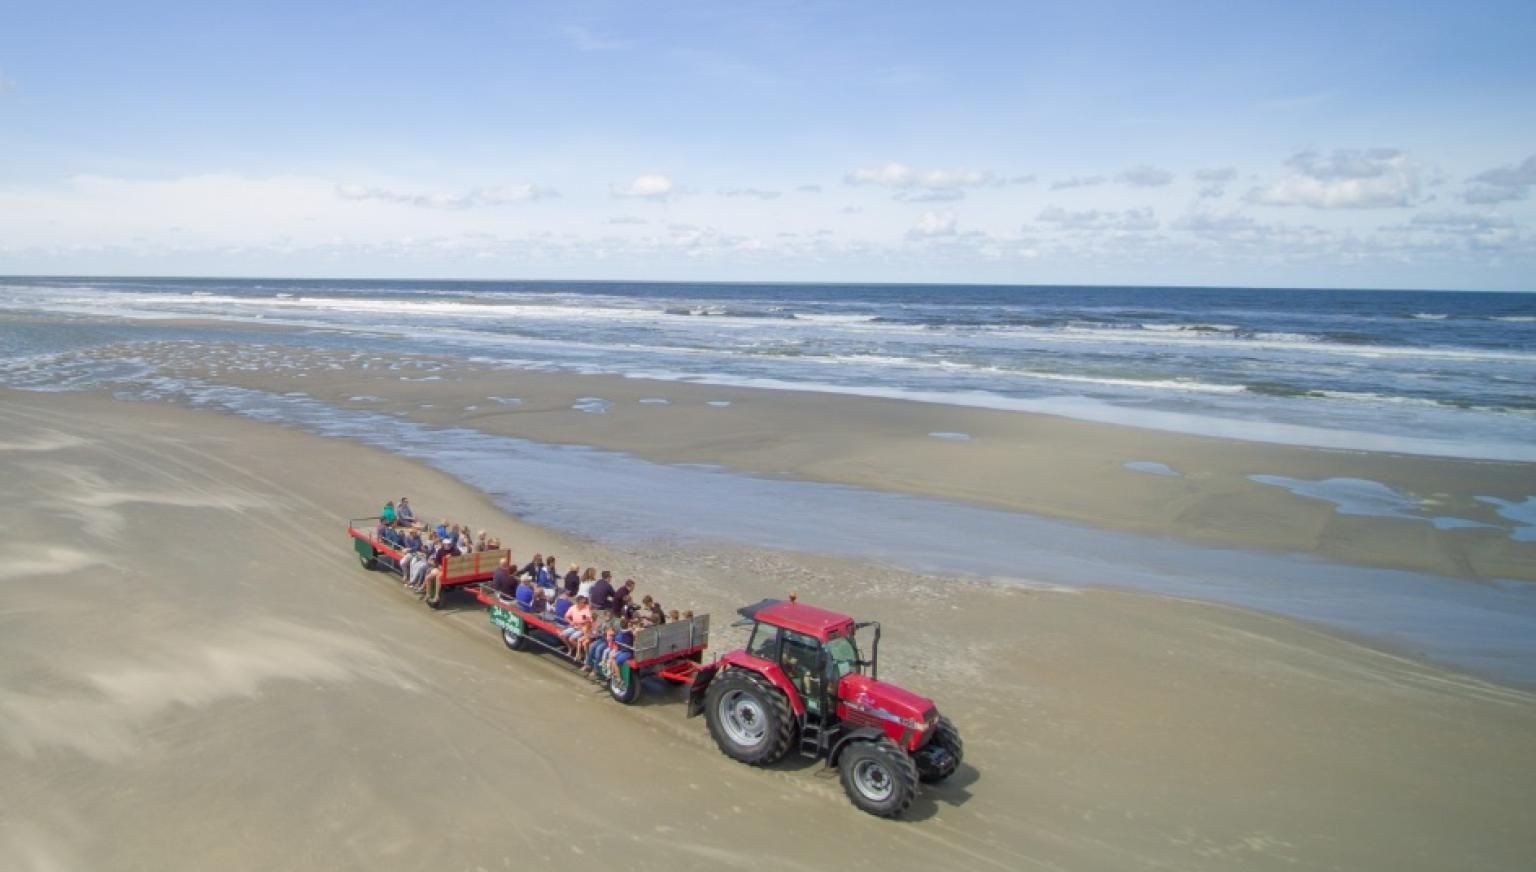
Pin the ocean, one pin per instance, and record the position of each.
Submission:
(1448, 374)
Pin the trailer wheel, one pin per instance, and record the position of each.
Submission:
(879, 777)
(368, 561)
(433, 596)
(625, 690)
(748, 717)
(946, 736)
(514, 639)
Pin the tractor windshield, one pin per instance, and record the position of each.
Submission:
(842, 655)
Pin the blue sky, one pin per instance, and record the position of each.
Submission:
(1316, 144)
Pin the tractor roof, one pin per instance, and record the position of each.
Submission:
(793, 616)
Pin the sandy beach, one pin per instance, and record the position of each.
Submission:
(195, 673)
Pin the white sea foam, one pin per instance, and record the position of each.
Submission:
(1430, 316)
(592, 405)
(951, 436)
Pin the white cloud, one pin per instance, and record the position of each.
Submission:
(651, 186)
(1501, 184)
(934, 224)
(1217, 223)
(488, 196)
(1144, 176)
(1345, 179)
(1077, 182)
(1130, 220)
(922, 185)
(1467, 222)
(1214, 180)
(627, 219)
(755, 193)
(809, 189)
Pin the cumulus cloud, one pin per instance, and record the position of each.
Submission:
(1372, 178)
(1503, 183)
(627, 219)
(1077, 182)
(651, 186)
(1214, 180)
(1129, 220)
(809, 189)
(917, 185)
(1144, 176)
(490, 196)
(934, 224)
(755, 193)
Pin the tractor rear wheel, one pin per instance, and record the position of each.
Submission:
(946, 736)
(878, 777)
(748, 717)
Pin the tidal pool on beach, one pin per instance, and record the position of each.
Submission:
(1488, 628)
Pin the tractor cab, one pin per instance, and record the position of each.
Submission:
(814, 648)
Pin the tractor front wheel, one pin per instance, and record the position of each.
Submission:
(946, 737)
(879, 777)
(748, 717)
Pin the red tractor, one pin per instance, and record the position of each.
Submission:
(802, 685)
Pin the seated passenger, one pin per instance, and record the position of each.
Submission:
(532, 566)
(526, 593)
(387, 515)
(480, 541)
(650, 611)
(404, 514)
(602, 592)
(501, 579)
(493, 544)
(579, 617)
(588, 579)
(572, 582)
(620, 604)
(621, 649)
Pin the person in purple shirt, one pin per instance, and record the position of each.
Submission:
(601, 593)
(572, 581)
(501, 579)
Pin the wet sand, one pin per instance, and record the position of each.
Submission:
(196, 674)
(1044, 465)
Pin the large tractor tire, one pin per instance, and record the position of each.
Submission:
(878, 777)
(946, 736)
(748, 717)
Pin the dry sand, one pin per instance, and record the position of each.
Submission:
(1045, 465)
(196, 674)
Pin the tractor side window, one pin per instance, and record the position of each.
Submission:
(799, 654)
(765, 642)
(842, 657)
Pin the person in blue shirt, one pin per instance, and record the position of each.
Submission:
(526, 594)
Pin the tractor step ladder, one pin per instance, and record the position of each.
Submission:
(812, 736)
